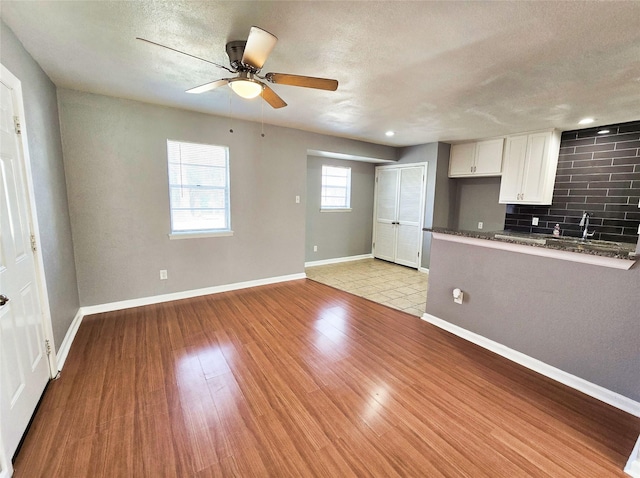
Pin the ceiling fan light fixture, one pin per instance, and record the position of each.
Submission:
(246, 87)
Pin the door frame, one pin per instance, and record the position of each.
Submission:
(423, 202)
(11, 81)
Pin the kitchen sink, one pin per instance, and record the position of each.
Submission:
(568, 243)
(593, 244)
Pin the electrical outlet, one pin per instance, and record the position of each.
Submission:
(315, 248)
(480, 225)
(297, 199)
(534, 221)
(163, 274)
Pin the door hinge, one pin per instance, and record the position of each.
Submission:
(374, 245)
(418, 253)
(47, 347)
(16, 124)
(34, 246)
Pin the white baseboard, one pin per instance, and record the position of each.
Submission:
(423, 269)
(337, 260)
(65, 346)
(633, 465)
(187, 294)
(596, 391)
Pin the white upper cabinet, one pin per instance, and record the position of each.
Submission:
(482, 158)
(529, 169)
(461, 159)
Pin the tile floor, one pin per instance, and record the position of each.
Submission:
(389, 284)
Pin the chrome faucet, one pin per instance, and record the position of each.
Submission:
(584, 223)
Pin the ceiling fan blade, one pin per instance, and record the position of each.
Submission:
(304, 81)
(184, 53)
(272, 98)
(212, 85)
(259, 45)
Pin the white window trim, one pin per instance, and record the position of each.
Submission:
(204, 233)
(348, 189)
(198, 235)
(336, 209)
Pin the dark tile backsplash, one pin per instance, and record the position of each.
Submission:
(597, 173)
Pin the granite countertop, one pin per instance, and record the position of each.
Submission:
(617, 250)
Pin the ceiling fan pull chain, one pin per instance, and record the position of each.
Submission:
(230, 117)
(262, 117)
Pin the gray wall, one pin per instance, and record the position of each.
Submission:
(339, 234)
(439, 195)
(477, 200)
(45, 150)
(579, 318)
(115, 159)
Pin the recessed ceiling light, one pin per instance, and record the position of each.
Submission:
(586, 121)
(390, 133)
(603, 131)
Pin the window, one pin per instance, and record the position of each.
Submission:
(336, 188)
(198, 189)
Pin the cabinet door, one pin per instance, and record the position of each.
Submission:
(461, 159)
(513, 169)
(535, 168)
(488, 157)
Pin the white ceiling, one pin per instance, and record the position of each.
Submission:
(431, 71)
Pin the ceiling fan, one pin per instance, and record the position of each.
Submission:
(246, 59)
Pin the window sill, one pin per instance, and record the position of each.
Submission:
(336, 210)
(198, 235)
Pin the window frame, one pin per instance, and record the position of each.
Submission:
(328, 208)
(201, 232)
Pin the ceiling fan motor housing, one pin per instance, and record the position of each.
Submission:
(235, 50)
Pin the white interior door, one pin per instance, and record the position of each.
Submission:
(399, 211)
(410, 211)
(386, 209)
(23, 360)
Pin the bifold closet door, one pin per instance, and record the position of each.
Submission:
(399, 210)
(386, 210)
(409, 223)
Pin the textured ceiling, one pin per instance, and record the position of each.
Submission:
(431, 71)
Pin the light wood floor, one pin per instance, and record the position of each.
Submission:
(300, 379)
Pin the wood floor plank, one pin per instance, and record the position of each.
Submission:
(300, 379)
